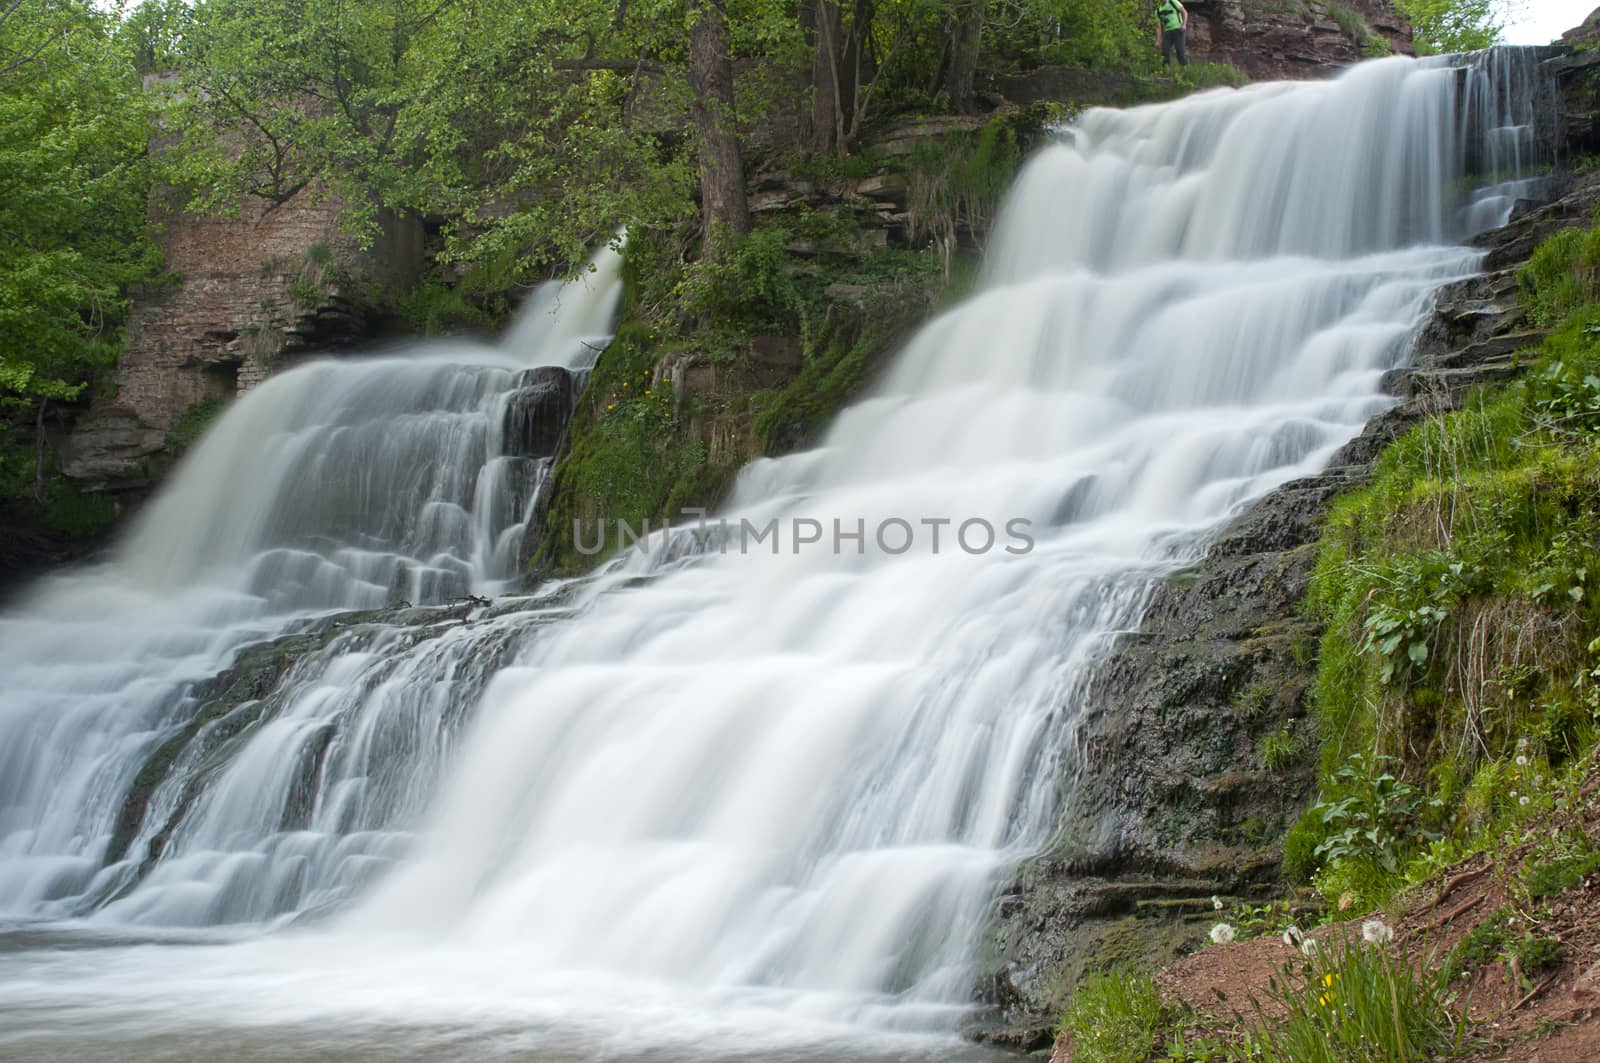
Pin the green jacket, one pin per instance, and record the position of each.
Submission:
(1171, 14)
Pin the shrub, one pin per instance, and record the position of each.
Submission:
(1371, 817)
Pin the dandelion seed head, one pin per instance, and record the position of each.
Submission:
(1222, 934)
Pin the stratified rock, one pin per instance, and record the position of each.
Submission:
(1272, 40)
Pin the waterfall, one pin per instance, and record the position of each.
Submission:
(751, 785)
(344, 484)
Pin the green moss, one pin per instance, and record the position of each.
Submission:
(193, 422)
(631, 459)
(849, 345)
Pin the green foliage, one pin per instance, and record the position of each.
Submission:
(432, 307)
(1345, 1003)
(848, 343)
(193, 422)
(1534, 954)
(1115, 1017)
(629, 459)
(1255, 700)
(957, 180)
(750, 287)
(1562, 275)
(1370, 815)
(1100, 34)
(1457, 596)
(1551, 872)
(1483, 944)
(1355, 26)
(1261, 920)
(453, 110)
(1442, 26)
(73, 188)
(76, 514)
(1281, 749)
(1300, 860)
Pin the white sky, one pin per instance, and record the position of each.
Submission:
(1542, 21)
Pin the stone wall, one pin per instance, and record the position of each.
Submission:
(253, 291)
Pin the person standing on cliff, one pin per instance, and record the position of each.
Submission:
(1172, 19)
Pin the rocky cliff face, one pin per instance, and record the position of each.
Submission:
(1174, 802)
(1275, 39)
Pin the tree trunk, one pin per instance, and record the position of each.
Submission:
(965, 37)
(723, 204)
(827, 55)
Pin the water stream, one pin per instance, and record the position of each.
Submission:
(730, 796)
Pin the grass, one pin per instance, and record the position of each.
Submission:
(1457, 593)
(1280, 750)
(1116, 1017)
(1348, 1002)
(1355, 1002)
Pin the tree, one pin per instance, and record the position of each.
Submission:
(1442, 26)
(505, 122)
(74, 184)
(725, 210)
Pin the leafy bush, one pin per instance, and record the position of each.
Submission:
(1547, 874)
(1534, 954)
(1483, 944)
(1372, 817)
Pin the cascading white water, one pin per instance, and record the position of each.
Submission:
(729, 796)
(345, 484)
